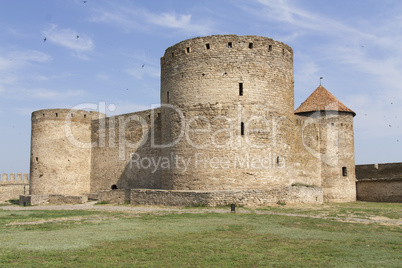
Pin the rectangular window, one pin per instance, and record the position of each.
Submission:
(344, 171)
(172, 55)
(270, 48)
(187, 50)
(167, 97)
(240, 89)
(230, 45)
(207, 46)
(242, 128)
(250, 45)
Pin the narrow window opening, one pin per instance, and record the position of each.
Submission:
(114, 187)
(167, 97)
(270, 48)
(159, 114)
(283, 51)
(250, 45)
(242, 129)
(188, 50)
(85, 116)
(37, 159)
(240, 89)
(344, 171)
(172, 55)
(230, 45)
(56, 114)
(277, 160)
(149, 116)
(207, 46)
(43, 115)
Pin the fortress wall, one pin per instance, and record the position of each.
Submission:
(13, 185)
(61, 151)
(379, 182)
(291, 194)
(306, 159)
(120, 139)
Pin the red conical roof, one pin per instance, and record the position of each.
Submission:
(322, 100)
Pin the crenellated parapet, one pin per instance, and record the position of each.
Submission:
(66, 114)
(14, 178)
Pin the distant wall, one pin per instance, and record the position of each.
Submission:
(13, 185)
(379, 182)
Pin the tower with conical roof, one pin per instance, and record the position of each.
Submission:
(336, 143)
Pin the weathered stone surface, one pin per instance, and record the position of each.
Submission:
(226, 128)
(379, 182)
(52, 199)
(292, 194)
(61, 151)
(14, 187)
(114, 196)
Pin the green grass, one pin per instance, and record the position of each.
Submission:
(104, 239)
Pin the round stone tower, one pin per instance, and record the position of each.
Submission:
(61, 151)
(227, 113)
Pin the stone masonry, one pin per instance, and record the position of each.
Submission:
(226, 132)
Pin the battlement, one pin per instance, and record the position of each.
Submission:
(218, 44)
(12, 178)
(63, 114)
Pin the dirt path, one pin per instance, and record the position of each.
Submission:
(162, 210)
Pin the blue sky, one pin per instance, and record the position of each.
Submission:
(355, 45)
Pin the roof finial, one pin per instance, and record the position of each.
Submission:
(321, 79)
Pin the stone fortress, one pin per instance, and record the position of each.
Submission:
(225, 132)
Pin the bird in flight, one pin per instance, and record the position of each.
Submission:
(78, 36)
(44, 39)
(143, 66)
(84, 1)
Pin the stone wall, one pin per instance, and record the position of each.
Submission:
(379, 182)
(53, 199)
(114, 196)
(13, 185)
(124, 152)
(292, 194)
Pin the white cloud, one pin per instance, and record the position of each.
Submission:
(18, 59)
(78, 42)
(129, 18)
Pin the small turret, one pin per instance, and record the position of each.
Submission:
(336, 153)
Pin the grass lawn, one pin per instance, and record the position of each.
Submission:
(282, 236)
